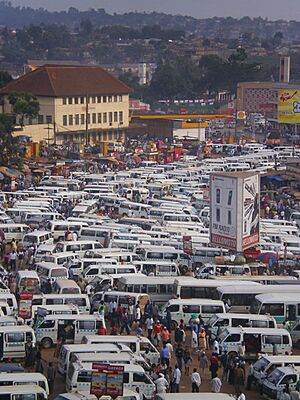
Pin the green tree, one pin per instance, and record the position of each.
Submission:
(24, 105)
(9, 145)
(5, 78)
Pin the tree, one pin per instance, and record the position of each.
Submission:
(25, 105)
(5, 78)
(9, 145)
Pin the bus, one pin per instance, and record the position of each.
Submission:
(282, 306)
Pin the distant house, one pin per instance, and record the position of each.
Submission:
(78, 104)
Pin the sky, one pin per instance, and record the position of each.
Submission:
(272, 9)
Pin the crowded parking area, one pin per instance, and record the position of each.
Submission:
(117, 281)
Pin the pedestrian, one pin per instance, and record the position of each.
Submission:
(179, 336)
(242, 350)
(51, 373)
(161, 384)
(274, 349)
(196, 381)
(216, 384)
(285, 395)
(138, 314)
(165, 355)
(250, 378)
(176, 379)
(216, 347)
(224, 363)
(203, 364)
(202, 340)
(13, 260)
(194, 339)
(169, 320)
(187, 361)
(179, 356)
(241, 396)
(157, 328)
(39, 362)
(239, 378)
(125, 323)
(149, 326)
(165, 335)
(214, 365)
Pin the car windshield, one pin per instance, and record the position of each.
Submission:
(261, 364)
(275, 376)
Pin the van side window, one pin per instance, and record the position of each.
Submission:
(212, 309)
(126, 378)
(285, 339)
(86, 325)
(269, 339)
(191, 309)
(235, 337)
(15, 337)
(174, 308)
(140, 378)
(47, 324)
(85, 376)
(262, 324)
(288, 379)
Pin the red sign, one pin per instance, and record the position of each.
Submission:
(219, 240)
(107, 380)
(25, 305)
(187, 245)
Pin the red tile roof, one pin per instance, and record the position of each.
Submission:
(67, 80)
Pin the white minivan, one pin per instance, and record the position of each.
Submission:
(185, 309)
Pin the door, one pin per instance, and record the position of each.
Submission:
(291, 312)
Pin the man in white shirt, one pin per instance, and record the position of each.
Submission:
(149, 326)
(176, 379)
(161, 384)
(216, 385)
(196, 381)
(241, 396)
(216, 347)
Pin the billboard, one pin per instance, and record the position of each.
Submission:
(289, 106)
(234, 210)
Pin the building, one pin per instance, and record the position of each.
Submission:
(78, 104)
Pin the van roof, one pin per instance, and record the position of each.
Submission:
(278, 297)
(50, 265)
(27, 274)
(118, 339)
(280, 358)
(246, 316)
(270, 331)
(22, 389)
(97, 346)
(127, 367)
(196, 301)
(81, 317)
(37, 233)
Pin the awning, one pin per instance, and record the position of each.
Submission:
(10, 173)
(276, 178)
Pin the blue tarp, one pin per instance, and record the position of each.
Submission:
(276, 178)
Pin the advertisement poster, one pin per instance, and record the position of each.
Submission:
(114, 382)
(25, 305)
(98, 382)
(223, 211)
(289, 106)
(250, 212)
(187, 245)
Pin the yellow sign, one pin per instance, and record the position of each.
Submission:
(241, 115)
(289, 106)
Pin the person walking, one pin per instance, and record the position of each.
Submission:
(196, 381)
(214, 365)
(149, 326)
(179, 356)
(165, 355)
(202, 340)
(176, 379)
(216, 384)
(187, 361)
(51, 373)
(203, 364)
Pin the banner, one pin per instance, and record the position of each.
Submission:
(289, 106)
(107, 380)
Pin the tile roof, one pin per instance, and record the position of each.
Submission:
(67, 80)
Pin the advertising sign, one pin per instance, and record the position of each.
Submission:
(223, 222)
(250, 212)
(25, 305)
(114, 381)
(98, 383)
(234, 210)
(187, 245)
(289, 106)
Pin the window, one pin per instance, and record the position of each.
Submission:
(70, 119)
(115, 116)
(115, 99)
(272, 309)
(93, 99)
(121, 98)
(64, 100)
(15, 337)
(104, 99)
(48, 119)
(105, 118)
(269, 339)
(126, 378)
(76, 100)
(47, 324)
(235, 337)
(94, 118)
(82, 119)
(229, 217)
(65, 120)
(218, 196)
(110, 99)
(110, 135)
(191, 309)
(218, 215)
(86, 325)
(40, 119)
(98, 99)
(76, 119)
(174, 308)
(110, 117)
(70, 100)
(229, 198)
(211, 309)
(81, 100)
(99, 118)
(139, 377)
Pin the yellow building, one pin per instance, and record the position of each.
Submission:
(78, 104)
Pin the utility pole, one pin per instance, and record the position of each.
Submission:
(87, 139)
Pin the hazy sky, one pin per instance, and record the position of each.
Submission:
(273, 9)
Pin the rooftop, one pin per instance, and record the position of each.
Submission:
(67, 80)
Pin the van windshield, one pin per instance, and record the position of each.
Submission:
(59, 273)
(275, 376)
(261, 364)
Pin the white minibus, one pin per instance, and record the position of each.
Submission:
(220, 321)
(68, 352)
(138, 345)
(94, 271)
(267, 364)
(194, 396)
(24, 378)
(256, 340)
(131, 209)
(185, 309)
(66, 286)
(14, 231)
(60, 228)
(42, 250)
(50, 272)
(79, 247)
(23, 392)
(120, 298)
(80, 300)
(277, 382)
(62, 259)
(133, 376)
(164, 253)
(37, 238)
(95, 233)
(10, 299)
(28, 281)
(13, 340)
(72, 328)
(157, 268)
